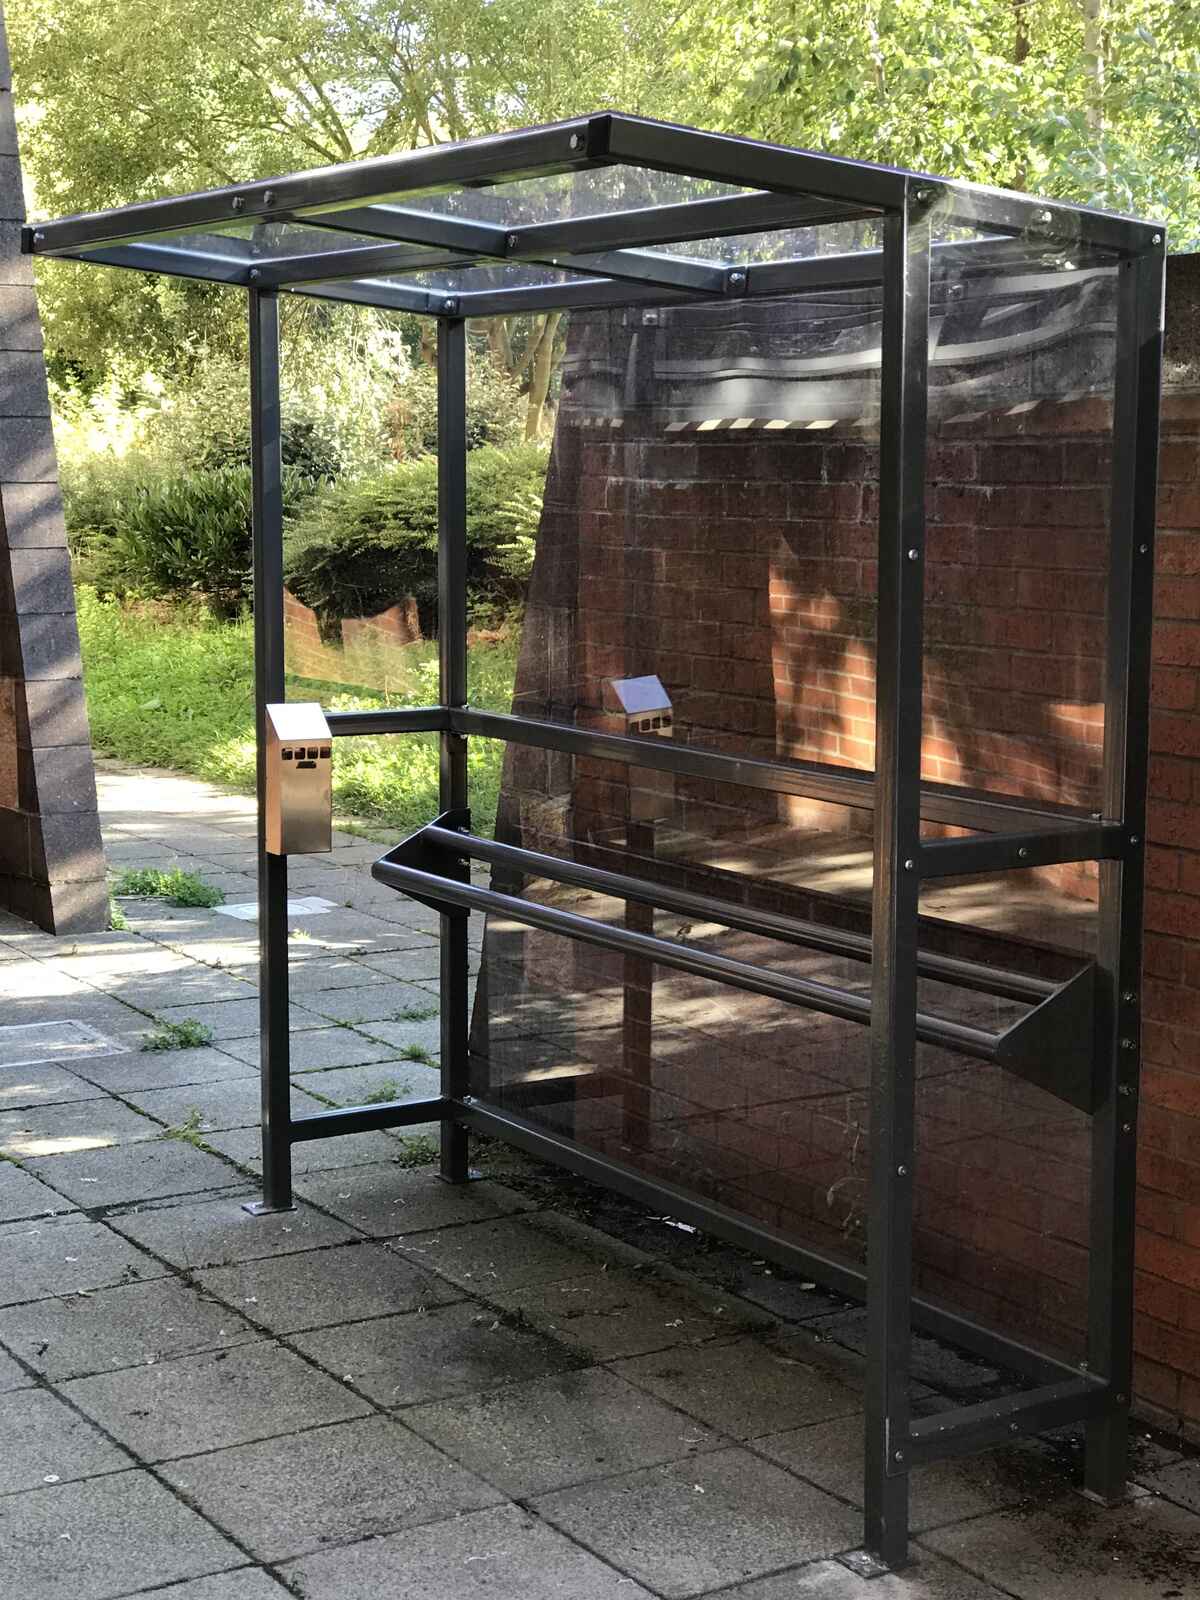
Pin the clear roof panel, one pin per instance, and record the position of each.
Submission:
(592, 192)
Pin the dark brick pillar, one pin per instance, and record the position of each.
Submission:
(51, 858)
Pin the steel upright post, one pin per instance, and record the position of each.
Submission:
(452, 661)
(267, 520)
(898, 676)
(1140, 285)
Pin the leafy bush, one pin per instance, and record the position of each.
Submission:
(139, 529)
(206, 427)
(356, 548)
(495, 410)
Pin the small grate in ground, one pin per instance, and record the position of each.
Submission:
(31, 1044)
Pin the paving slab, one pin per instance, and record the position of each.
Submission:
(12, 1376)
(194, 985)
(57, 1130)
(353, 1480)
(446, 1350)
(316, 1048)
(1179, 1481)
(501, 1554)
(926, 1578)
(348, 933)
(742, 1387)
(376, 1002)
(625, 1313)
(320, 1288)
(1072, 1550)
(213, 1107)
(44, 1085)
(66, 1256)
(22, 1196)
(46, 1442)
(830, 1454)
(564, 1429)
(515, 1252)
(132, 1325)
(356, 1086)
(250, 1583)
(244, 1146)
(166, 1069)
(385, 1201)
(214, 1230)
(151, 1169)
(700, 1524)
(234, 1019)
(420, 961)
(406, 1035)
(103, 1538)
(307, 979)
(205, 1402)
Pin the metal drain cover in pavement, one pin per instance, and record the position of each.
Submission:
(29, 1044)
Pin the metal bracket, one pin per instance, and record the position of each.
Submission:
(864, 1565)
(416, 851)
(1052, 1046)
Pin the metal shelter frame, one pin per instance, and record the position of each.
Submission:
(1079, 1039)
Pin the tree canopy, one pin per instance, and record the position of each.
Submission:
(1091, 100)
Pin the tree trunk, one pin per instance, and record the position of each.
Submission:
(1093, 61)
(541, 373)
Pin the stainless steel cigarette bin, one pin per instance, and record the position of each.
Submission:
(299, 780)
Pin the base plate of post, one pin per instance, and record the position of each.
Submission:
(263, 1208)
(473, 1176)
(864, 1564)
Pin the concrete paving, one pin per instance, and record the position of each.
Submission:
(519, 1389)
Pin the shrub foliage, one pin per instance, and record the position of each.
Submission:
(355, 548)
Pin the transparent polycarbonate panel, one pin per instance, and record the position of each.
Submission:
(500, 275)
(709, 521)
(591, 192)
(756, 1104)
(1020, 450)
(1003, 1163)
(779, 244)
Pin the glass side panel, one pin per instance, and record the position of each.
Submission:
(703, 572)
(1022, 373)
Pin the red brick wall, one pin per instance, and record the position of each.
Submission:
(737, 564)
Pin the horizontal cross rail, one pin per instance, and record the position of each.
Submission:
(970, 1428)
(771, 925)
(845, 786)
(1006, 852)
(362, 1119)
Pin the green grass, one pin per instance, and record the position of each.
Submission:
(419, 1151)
(387, 1091)
(176, 689)
(416, 1013)
(415, 1052)
(188, 1131)
(177, 887)
(186, 1035)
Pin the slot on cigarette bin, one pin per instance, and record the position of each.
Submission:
(299, 798)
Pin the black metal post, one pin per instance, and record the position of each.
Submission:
(898, 676)
(267, 471)
(452, 661)
(1119, 957)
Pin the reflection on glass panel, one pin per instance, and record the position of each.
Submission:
(593, 192)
